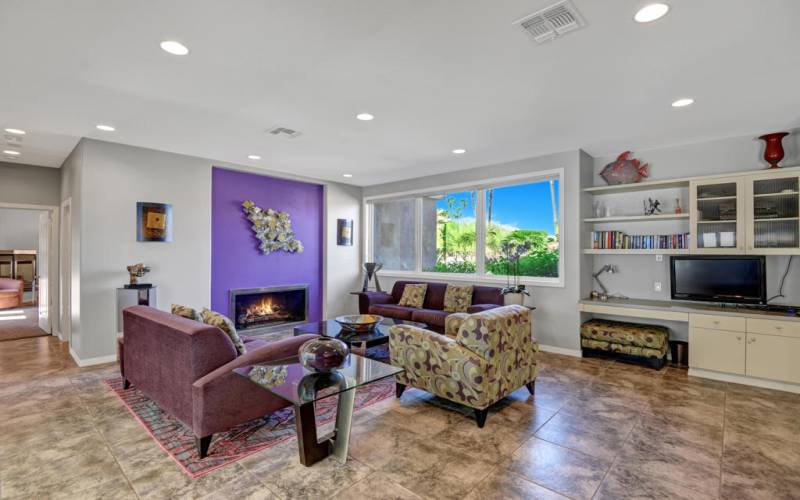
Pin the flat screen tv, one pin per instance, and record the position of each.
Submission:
(733, 279)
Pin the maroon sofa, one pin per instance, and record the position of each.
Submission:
(10, 293)
(432, 313)
(186, 367)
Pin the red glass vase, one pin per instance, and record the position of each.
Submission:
(773, 148)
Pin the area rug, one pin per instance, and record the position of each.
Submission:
(240, 442)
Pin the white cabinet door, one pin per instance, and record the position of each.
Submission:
(773, 357)
(717, 350)
(772, 213)
(716, 215)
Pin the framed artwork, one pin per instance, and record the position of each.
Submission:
(153, 221)
(344, 232)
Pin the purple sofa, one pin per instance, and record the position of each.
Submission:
(186, 367)
(432, 313)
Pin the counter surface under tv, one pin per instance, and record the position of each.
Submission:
(738, 344)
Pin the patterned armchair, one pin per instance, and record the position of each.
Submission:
(479, 360)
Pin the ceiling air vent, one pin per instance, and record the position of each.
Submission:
(552, 22)
(283, 132)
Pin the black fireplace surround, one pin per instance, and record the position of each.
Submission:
(270, 308)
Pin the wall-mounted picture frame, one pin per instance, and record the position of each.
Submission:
(153, 222)
(344, 232)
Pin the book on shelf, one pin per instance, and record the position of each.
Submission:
(617, 240)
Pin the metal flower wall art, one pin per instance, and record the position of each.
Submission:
(272, 228)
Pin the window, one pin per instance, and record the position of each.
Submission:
(448, 232)
(393, 236)
(483, 233)
(522, 220)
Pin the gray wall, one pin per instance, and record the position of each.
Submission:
(29, 185)
(556, 320)
(19, 229)
(105, 180)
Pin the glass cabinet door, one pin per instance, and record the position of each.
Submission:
(772, 214)
(716, 214)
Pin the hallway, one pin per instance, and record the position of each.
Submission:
(20, 323)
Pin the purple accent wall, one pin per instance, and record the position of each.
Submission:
(236, 261)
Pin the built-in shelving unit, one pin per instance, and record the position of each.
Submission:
(755, 212)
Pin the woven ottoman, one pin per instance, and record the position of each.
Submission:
(627, 341)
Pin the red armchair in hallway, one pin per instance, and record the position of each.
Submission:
(186, 367)
(10, 293)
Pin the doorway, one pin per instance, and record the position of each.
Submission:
(28, 265)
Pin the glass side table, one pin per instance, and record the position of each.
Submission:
(288, 379)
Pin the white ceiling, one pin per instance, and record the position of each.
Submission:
(437, 75)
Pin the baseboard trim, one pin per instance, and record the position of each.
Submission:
(561, 350)
(745, 380)
(99, 360)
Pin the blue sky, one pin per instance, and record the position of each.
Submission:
(524, 206)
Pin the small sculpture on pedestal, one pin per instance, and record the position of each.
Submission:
(371, 269)
(135, 272)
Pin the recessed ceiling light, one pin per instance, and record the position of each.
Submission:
(365, 117)
(106, 128)
(682, 103)
(459, 151)
(11, 152)
(15, 131)
(347, 175)
(174, 48)
(652, 12)
(254, 157)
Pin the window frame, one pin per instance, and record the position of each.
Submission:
(480, 187)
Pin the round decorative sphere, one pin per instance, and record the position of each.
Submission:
(323, 354)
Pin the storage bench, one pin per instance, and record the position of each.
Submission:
(628, 341)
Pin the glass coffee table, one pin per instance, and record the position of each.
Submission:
(288, 379)
(330, 328)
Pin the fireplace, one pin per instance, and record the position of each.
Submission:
(272, 308)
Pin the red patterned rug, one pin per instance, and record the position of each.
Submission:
(240, 442)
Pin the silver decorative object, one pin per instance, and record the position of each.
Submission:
(323, 354)
(272, 228)
(371, 270)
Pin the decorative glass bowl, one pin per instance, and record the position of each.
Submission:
(323, 354)
(359, 323)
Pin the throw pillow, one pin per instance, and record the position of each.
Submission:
(457, 298)
(185, 311)
(413, 295)
(226, 325)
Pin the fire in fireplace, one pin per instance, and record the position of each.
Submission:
(269, 308)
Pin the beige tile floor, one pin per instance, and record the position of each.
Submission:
(594, 429)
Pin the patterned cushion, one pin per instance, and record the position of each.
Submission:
(226, 325)
(413, 295)
(626, 334)
(632, 350)
(186, 312)
(457, 298)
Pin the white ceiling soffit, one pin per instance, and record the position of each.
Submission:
(437, 77)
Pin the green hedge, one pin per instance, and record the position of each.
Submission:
(542, 264)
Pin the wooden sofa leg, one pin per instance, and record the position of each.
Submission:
(202, 444)
(531, 386)
(399, 388)
(480, 417)
(126, 384)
